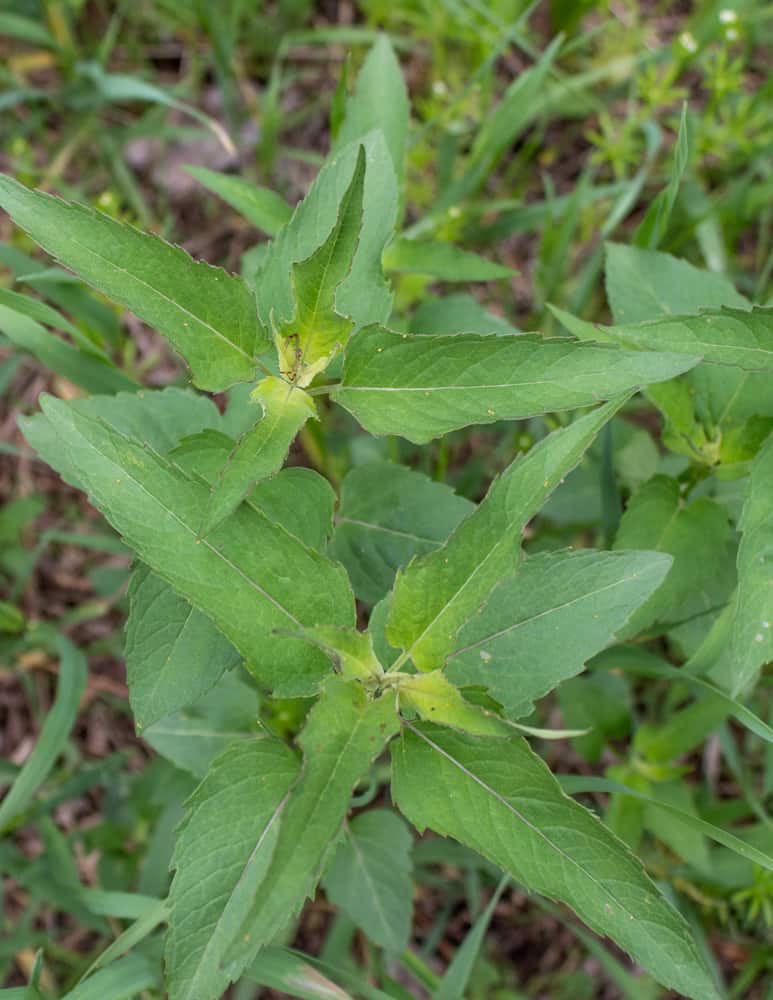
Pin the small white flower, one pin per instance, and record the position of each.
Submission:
(687, 41)
(727, 16)
(439, 88)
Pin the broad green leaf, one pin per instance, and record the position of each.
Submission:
(501, 800)
(259, 205)
(318, 328)
(343, 734)
(174, 653)
(370, 877)
(379, 101)
(84, 369)
(442, 260)
(388, 514)
(54, 734)
(440, 591)
(250, 577)
(647, 284)
(423, 387)
(195, 735)
(223, 854)
(363, 296)
(435, 699)
(262, 450)
(696, 534)
(737, 337)
(544, 624)
(207, 314)
(459, 313)
(751, 635)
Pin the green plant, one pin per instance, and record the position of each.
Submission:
(466, 632)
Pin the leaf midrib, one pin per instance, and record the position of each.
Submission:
(542, 614)
(519, 816)
(173, 514)
(163, 295)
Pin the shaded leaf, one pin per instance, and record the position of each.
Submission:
(388, 514)
(259, 205)
(364, 295)
(174, 653)
(370, 877)
(695, 534)
(379, 101)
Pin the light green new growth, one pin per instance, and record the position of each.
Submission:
(260, 451)
(317, 329)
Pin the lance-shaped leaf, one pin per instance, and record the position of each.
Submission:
(250, 577)
(751, 629)
(379, 101)
(260, 451)
(443, 261)
(223, 851)
(90, 371)
(261, 206)
(370, 877)
(440, 591)
(737, 337)
(363, 295)
(207, 314)
(343, 734)
(388, 514)
(501, 800)
(174, 653)
(541, 626)
(317, 329)
(422, 387)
